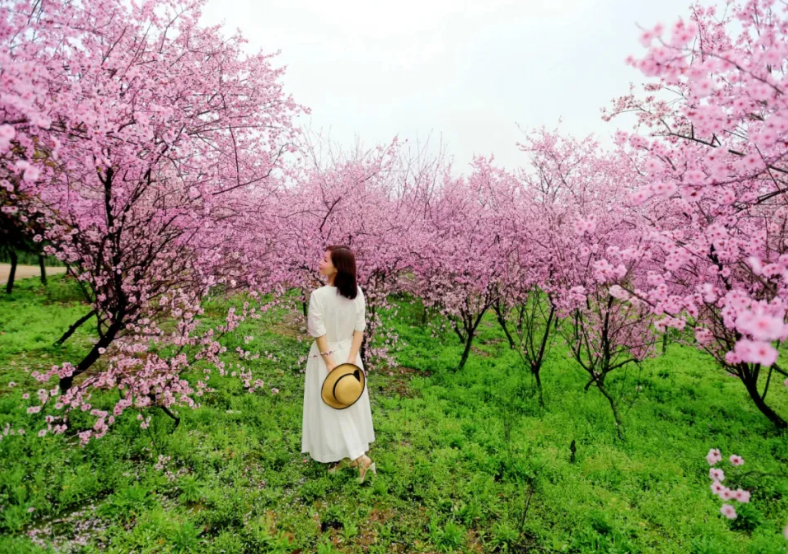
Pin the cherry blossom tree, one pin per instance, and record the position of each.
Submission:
(138, 138)
(594, 250)
(461, 264)
(714, 152)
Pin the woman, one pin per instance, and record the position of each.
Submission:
(336, 319)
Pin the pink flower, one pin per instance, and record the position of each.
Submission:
(755, 264)
(703, 336)
(7, 134)
(713, 456)
(737, 460)
(716, 474)
(11, 384)
(34, 409)
(742, 495)
(42, 432)
(31, 173)
(30, 510)
(785, 532)
(728, 511)
(762, 327)
(727, 494)
(275, 391)
(717, 488)
(756, 352)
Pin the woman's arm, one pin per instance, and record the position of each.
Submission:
(358, 337)
(322, 345)
(318, 330)
(360, 325)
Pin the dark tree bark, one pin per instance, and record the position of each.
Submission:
(74, 327)
(43, 269)
(9, 287)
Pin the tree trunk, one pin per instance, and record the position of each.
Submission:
(9, 287)
(457, 330)
(502, 321)
(467, 351)
(43, 269)
(520, 318)
(616, 416)
(74, 327)
(91, 357)
(538, 377)
(765, 409)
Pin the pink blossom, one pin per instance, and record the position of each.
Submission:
(741, 495)
(703, 336)
(728, 511)
(756, 352)
(736, 460)
(762, 327)
(717, 488)
(716, 474)
(7, 133)
(32, 173)
(713, 456)
(42, 432)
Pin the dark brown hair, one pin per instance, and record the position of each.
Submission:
(345, 280)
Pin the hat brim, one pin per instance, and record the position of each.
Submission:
(327, 390)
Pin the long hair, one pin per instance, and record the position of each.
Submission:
(345, 280)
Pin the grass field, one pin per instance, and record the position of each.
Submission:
(467, 462)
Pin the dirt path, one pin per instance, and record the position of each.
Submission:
(23, 271)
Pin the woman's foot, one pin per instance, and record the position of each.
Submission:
(364, 464)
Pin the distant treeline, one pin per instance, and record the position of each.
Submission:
(26, 258)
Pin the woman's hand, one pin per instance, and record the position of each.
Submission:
(331, 365)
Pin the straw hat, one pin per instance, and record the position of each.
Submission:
(343, 386)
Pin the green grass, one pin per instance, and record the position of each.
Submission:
(448, 479)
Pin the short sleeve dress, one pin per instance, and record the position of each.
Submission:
(328, 434)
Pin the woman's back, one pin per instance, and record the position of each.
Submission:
(335, 315)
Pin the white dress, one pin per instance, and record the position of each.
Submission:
(328, 434)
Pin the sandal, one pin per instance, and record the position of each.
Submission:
(364, 468)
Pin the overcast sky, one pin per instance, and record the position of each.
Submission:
(467, 72)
